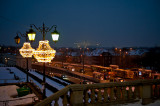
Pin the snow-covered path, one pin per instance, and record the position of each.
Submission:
(7, 77)
(61, 80)
(5, 74)
(49, 81)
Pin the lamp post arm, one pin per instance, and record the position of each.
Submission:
(38, 29)
(43, 29)
(23, 35)
(52, 27)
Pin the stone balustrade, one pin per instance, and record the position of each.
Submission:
(103, 94)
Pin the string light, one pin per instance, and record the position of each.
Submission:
(44, 52)
(26, 50)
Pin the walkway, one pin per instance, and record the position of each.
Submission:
(58, 70)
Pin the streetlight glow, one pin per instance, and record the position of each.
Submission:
(31, 37)
(26, 50)
(55, 35)
(31, 34)
(44, 52)
(17, 39)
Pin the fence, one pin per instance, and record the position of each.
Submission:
(102, 94)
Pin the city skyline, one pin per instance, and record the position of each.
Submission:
(117, 23)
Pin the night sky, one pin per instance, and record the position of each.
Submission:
(112, 23)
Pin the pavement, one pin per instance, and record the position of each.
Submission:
(9, 95)
(71, 79)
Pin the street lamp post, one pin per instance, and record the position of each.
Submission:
(82, 56)
(62, 56)
(44, 52)
(26, 51)
(84, 44)
(83, 60)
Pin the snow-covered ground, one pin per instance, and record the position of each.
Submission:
(156, 103)
(49, 81)
(9, 93)
(61, 80)
(7, 77)
(48, 92)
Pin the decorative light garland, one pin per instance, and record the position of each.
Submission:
(26, 50)
(44, 52)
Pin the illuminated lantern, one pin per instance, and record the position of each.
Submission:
(44, 52)
(17, 39)
(31, 35)
(26, 50)
(55, 35)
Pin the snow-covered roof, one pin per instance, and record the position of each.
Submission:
(58, 53)
(73, 54)
(137, 52)
(98, 52)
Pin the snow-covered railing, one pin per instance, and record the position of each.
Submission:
(35, 85)
(106, 93)
(7, 65)
(7, 80)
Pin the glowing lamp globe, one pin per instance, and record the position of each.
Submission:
(55, 35)
(17, 39)
(44, 52)
(31, 35)
(26, 50)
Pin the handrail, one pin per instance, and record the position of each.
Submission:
(83, 87)
(53, 97)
